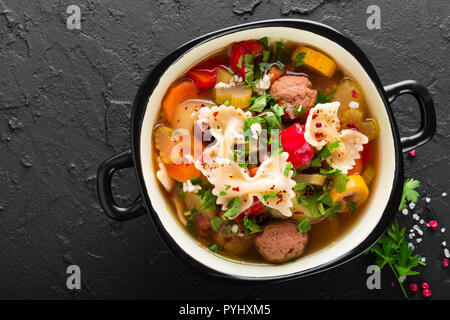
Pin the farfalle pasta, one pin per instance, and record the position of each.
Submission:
(256, 160)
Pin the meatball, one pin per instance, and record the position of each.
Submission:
(233, 238)
(294, 91)
(281, 241)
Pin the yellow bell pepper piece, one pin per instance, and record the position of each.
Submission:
(356, 192)
(316, 60)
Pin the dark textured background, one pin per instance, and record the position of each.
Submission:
(65, 100)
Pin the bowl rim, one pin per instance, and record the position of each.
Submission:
(151, 81)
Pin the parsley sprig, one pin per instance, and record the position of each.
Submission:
(393, 250)
(409, 193)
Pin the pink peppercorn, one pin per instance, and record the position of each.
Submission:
(412, 153)
(413, 287)
(433, 224)
(445, 263)
(425, 285)
(426, 293)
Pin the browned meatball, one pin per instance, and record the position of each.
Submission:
(294, 91)
(233, 239)
(281, 242)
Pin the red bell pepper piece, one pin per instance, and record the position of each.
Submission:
(203, 79)
(366, 154)
(294, 143)
(238, 52)
(205, 74)
(255, 209)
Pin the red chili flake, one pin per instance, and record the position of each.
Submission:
(433, 224)
(425, 285)
(445, 263)
(215, 114)
(426, 293)
(355, 94)
(298, 212)
(352, 125)
(318, 125)
(412, 153)
(235, 189)
(314, 116)
(413, 287)
(392, 283)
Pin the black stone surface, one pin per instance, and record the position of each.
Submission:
(65, 99)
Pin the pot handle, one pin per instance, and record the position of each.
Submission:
(104, 176)
(427, 127)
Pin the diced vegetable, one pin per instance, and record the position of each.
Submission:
(238, 96)
(204, 79)
(177, 94)
(182, 115)
(193, 200)
(348, 91)
(223, 76)
(370, 128)
(314, 179)
(369, 174)
(275, 73)
(181, 208)
(164, 143)
(314, 60)
(182, 172)
(301, 212)
(294, 143)
(238, 52)
(352, 115)
(356, 192)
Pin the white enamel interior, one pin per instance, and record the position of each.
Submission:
(380, 190)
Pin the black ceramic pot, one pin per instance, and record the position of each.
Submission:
(385, 191)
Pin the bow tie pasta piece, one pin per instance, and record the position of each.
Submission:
(226, 126)
(270, 185)
(322, 126)
(351, 145)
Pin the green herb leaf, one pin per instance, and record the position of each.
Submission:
(215, 247)
(264, 41)
(251, 226)
(299, 59)
(208, 200)
(330, 173)
(409, 193)
(325, 153)
(239, 64)
(248, 68)
(393, 250)
(340, 182)
(215, 223)
(352, 207)
(259, 104)
(233, 207)
(321, 98)
(304, 225)
(270, 195)
(287, 169)
(191, 224)
(196, 181)
(266, 55)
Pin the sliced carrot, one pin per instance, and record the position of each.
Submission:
(357, 168)
(253, 171)
(182, 172)
(275, 73)
(179, 93)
